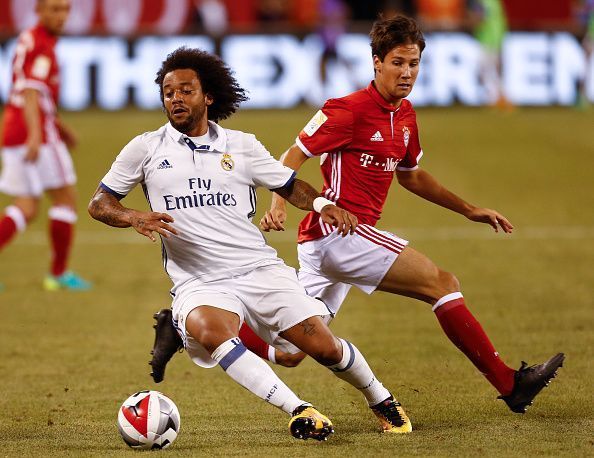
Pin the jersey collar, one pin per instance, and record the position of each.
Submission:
(377, 98)
(40, 28)
(219, 145)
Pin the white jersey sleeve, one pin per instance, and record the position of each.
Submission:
(127, 169)
(268, 171)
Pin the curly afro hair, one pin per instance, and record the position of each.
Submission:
(215, 77)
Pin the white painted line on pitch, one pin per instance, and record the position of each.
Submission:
(130, 237)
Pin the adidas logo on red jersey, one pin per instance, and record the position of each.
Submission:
(377, 137)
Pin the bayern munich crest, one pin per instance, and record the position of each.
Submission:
(406, 133)
(227, 163)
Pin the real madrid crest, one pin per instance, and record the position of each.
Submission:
(227, 163)
(406, 133)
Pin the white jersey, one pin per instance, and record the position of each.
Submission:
(210, 191)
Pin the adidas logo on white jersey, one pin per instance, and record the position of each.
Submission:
(377, 137)
(164, 165)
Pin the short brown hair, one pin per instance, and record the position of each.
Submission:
(386, 34)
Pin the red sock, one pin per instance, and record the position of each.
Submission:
(61, 234)
(253, 342)
(8, 229)
(468, 335)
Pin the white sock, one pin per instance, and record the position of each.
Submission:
(353, 368)
(62, 213)
(254, 374)
(16, 214)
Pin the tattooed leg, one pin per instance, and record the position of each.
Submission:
(313, 337)
(343, 358)
(309, 328)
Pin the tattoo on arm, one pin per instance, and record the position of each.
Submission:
(107, 208)
(299, 194)
(308, 328)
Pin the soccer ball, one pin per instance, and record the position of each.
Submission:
(148, 420)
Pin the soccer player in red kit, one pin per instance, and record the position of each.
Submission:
(363, 140)
(35, 158)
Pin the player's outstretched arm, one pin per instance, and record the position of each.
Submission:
(105, 207)
(274, 219)
(302, 195)
(491, 217)
(423, 184)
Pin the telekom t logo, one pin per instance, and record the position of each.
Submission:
(365, 159)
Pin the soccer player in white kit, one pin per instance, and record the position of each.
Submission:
(200, 182)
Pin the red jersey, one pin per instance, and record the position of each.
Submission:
(362, 140)
(35, 66)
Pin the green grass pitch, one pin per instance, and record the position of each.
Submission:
(68, 360)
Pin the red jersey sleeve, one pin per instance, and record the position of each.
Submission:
(413, 147)
(37, 61)
(330, 129)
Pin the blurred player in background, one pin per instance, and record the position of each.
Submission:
(35, 158)
(585, 16)
(490, 27)
(222, 270)
(213, 16)
(334, 17)
(363, 140)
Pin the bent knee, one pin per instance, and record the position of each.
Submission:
(207, 338)
(28, 210)
(208, 333)
(448, 282)
(328, 352)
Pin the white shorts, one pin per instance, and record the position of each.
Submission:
(53, 169)
(269, 299)
(331, 264)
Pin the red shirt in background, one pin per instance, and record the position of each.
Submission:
(35, 66)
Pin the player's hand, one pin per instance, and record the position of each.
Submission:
(492, 218)
(33, 145)
(273, 219)
(345, 222)
(145, 223)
